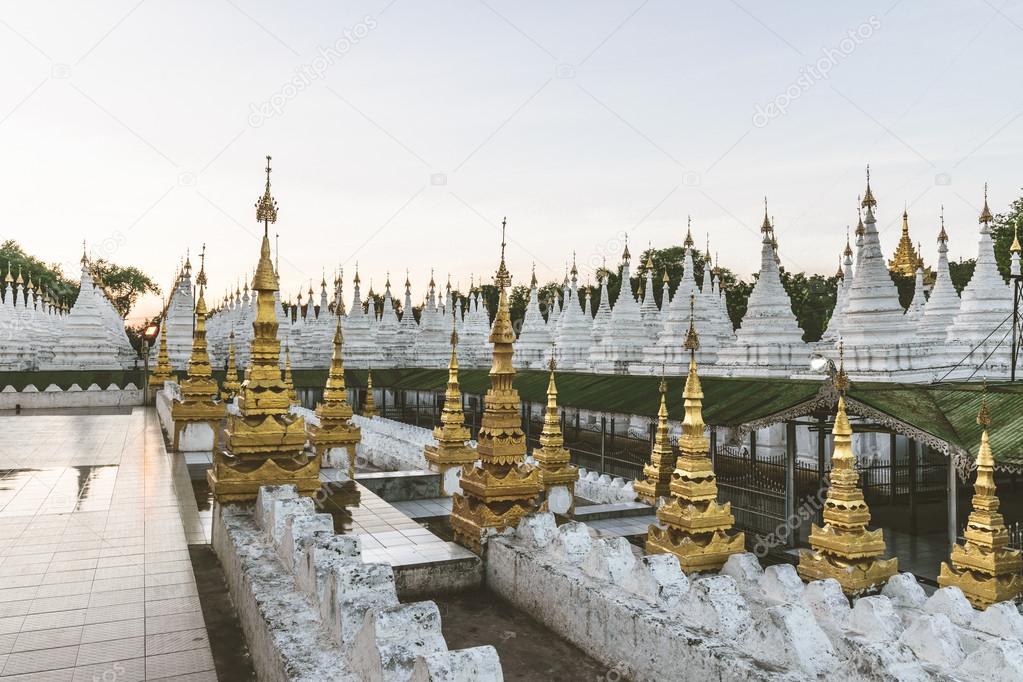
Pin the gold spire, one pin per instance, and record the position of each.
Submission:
(557, 475)
(265, 442)
(692, 340)
(766, 226)
(198, 404)
(8, 278)
(229, 389)
(868, 195)
(692, 525)
(906, 259)
(844, 549)
(626, 256)
(19, 280)
(983, 566)
(662, 457)
(860, 229)
(163, 372)
(451, 436)
(985, 214)
(688, 243)
(1015, 248)
(266, 205)
(289, 381)
(848, 247)
(369, 405)
(336, 430)
(504, 489)
(532, 280)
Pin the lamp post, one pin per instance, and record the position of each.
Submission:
(1016, 275)
(148, 337)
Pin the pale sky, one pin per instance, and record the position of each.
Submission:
(141, 127)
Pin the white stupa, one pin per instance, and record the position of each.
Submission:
(432, 346)
(625, 334)
(18, 351)
(600, 322)
(834, 329)
(943, 304)
(769, 341)
(179, 319)
(360, 348)
(533, 346)
(575, 328)
(649, 311)
(394, 345)
(978, 340)
(403, 352)
(915, 310)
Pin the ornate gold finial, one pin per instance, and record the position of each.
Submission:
(450, 451)
(18, 280)
(665, 279)
(163, 372)
(841, 378)
(266, 205)
(557, 475)
(985, 214)
(369, 405)
(848, 247)
(983, 566)
(289, 380)
(335, 439)
(626, 256)
(688, 243)
(658, 472)
(906, 259)
(229, 389)
(766, 226)
(8, 278)
(1015, 248)
(532, 280)
(860, 228)
(693, 525)
(503, 278)
(692, 342)
(868, 195)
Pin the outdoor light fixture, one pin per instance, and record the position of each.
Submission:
(151, 332)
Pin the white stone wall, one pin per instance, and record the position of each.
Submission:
(642, 616)
(604, 489)
(54, 397)
(312, 609)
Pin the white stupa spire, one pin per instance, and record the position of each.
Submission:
(533, 345)
(943, 304)
(625, 334)
(649, 310)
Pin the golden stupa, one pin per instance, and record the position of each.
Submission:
(843, 548)
(369, 404)
(230, 386)
(289, 381)
(662, 457)
(198, 404)
(265, 443)
(452, 435)
(163, 372)
(497, 494)
(697, 529)
(983, 566)
(335, 414)
(557, 474)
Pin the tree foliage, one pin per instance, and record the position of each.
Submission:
(124, 284)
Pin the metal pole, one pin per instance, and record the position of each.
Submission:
(891, 467)
(1016, 284)
(713, 446)
(953, 516)
(914, 459)
(790, 480)
(145, 371)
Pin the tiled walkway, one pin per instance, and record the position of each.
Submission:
(95, 578)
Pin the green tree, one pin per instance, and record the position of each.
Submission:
(961, 272)
(124, 284)
(49, 276)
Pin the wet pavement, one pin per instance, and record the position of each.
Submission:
(95, 576)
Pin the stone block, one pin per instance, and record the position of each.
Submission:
(827, 603)
(1001, 620)
(714, 604)
(572, 543)
(905, 591)
(94, 387)
(610, 559)
(353, 589)
(951, 602)
(323, 552)
(478, 664)
(781, 583)
(658, 577)
(53, 388)
(745, 569)
(933, 638)
(391, 639)
(196, 437)
(265, 500)
(281, 510)
(789, 637)
(875, 618)
(32, 389)
(536, 531)
(298, 533)
(999, 660)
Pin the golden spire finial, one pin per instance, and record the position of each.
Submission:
(868, 196)
(266, 205)
(665, 279)
(85, 258)
(692, 342)
(200, 279)
(1015, 248)
(8, 278)
(985, 214)
(688, 243)
(503, 279)
(860, 229)
(19, 280)
(943, 236)
(626, 256)
(848, 247)
(841, 378)
(532, 281)
(574, 271)
(766, 226)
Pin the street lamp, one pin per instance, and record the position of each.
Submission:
(1016, 275)
(149, 335)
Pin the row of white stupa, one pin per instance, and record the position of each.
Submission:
(37, 335)
(940, 336)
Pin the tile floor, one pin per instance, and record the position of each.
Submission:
(95, 578)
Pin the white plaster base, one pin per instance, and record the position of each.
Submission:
(196, 437)
(559, 499)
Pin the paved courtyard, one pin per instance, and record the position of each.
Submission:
(95, 577)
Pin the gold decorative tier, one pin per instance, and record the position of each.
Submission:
(335, 414)
(230, 387)
(504, 488)
(198, 402)
(369, 405)
(843, 548)
(662, 458)
(983, 566)
(553, 460)
(289, 380)
(265, 443)
(452, 435)
(163, 372)
(906, 260)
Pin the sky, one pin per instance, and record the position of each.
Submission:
(402, 132)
